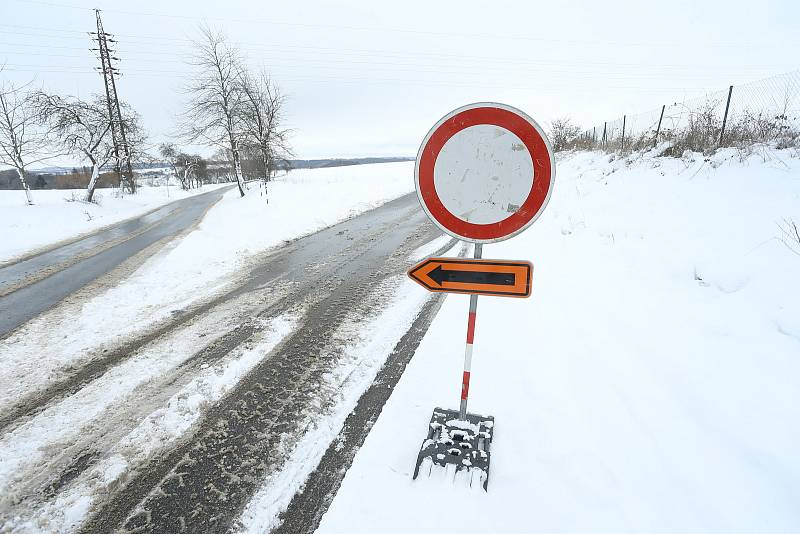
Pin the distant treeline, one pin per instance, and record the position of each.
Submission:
(74, 179)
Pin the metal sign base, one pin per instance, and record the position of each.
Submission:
(464, 442)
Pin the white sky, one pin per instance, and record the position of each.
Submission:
(370, 78)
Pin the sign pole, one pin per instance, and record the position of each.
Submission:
(473, 308)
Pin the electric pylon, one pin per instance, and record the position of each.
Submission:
(122, 153)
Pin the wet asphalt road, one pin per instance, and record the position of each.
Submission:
(32, 286)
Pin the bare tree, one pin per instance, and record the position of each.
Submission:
(563, 133)
(83, 129)
(214, 113)
(184, 166)
(20, 142)
(262, 119)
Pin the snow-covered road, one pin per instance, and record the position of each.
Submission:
(236, 370)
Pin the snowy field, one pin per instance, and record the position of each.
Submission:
(650, 384)
(60, 214)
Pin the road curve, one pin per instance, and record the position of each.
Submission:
(37, 283)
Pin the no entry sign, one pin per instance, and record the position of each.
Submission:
(484, 172)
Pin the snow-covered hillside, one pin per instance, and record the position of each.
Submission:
(650, 384)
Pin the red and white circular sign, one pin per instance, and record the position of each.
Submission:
(484, 172)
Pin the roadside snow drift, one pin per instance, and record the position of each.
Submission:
(650, 384)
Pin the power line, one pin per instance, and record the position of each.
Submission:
(568, 75)
(368, 53)
(395, 81)
(373, 29)
(492, 63)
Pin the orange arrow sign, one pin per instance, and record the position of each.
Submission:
(480, 277)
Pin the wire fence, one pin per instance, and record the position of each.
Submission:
(763, 111)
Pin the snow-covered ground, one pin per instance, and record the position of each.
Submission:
(370, 342)
(60, 214)
(650, 384)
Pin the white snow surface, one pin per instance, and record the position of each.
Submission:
(61, 214)
(430, 248)
(650, 384)
(153, 435)
(369, 344)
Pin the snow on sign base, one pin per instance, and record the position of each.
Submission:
(484, 172)
(461, 442)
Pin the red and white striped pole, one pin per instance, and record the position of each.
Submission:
(473, 307)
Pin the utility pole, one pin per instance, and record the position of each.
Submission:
(725, 118)
(658, 128)
(122, 153)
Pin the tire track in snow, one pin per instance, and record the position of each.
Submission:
(318, 480)
(203, 484)
(80, 442)
(311, 270)
(289, 263)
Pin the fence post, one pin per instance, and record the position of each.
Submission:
(604, 136)
(725, 118)
(658, 129)
(624, 117)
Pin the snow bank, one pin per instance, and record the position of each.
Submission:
(650, 384)
(60, 214)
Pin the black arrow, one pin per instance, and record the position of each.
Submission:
(440, 275)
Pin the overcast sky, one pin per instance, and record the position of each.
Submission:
(370, 78)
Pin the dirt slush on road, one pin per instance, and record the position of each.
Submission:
(204, 481)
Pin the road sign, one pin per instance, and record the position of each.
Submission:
(477, 277)
(485, 172)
